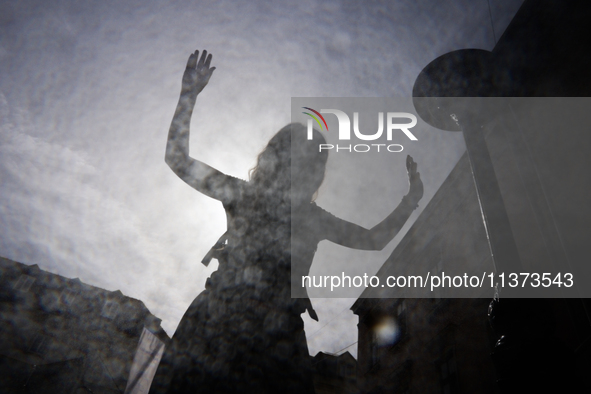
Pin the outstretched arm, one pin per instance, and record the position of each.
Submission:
(196, 174)
(353, 236)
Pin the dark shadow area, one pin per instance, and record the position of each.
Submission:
(521, 189)
(60, 335)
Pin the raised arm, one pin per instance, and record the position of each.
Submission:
(353, 236)
(195, 173)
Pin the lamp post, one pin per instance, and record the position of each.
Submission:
(457, 102)
(453, 93)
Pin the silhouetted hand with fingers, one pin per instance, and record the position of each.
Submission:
(415, 191)
(196, 74)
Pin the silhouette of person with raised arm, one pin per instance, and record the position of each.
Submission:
(244, 332)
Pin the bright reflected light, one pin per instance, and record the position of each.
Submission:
(387, 331)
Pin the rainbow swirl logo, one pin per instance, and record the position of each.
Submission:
(315, 118)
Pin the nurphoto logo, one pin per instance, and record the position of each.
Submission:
(344, 130)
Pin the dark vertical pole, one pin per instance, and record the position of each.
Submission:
(498, 229)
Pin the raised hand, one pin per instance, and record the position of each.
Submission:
(197, 73)
(415, 192)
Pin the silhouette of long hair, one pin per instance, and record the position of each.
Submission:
(290, 159)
